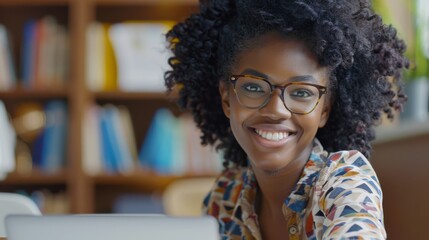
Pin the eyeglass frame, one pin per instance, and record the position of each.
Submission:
(234, 78)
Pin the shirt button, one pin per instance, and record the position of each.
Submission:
(293, 230)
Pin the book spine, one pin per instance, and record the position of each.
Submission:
(53, 153)
(28, 52)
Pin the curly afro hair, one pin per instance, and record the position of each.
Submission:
(365, 59)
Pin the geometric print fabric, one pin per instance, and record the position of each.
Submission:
(338, 196)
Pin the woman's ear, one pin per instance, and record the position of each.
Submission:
(224, 95)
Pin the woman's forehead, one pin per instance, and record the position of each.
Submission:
(279, 58)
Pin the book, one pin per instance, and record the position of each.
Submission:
(109, 147)
(110, 67)
(47, 28)
(28, 52)
(91, 142)
(116, 153)
(125, 162)
(7, 69)
(101, 70)
(37, 150)
(128, 129)
(141, 53)
(156, 152)
(94, 56)
(54, 137)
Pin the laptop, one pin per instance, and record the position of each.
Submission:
(110, 227)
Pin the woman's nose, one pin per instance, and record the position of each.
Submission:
(275, 107)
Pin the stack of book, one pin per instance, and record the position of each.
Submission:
(108, 143)
(49, 148)
(171, 146)
(45, 54)
(129, 56)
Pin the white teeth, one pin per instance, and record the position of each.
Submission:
(276, 136)
(273, 136)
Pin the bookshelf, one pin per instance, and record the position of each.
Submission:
(34, 178)
(86, 192)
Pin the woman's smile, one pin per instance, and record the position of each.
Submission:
(272, 136)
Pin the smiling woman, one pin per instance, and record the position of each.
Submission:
(290, 91)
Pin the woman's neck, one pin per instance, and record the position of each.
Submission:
(273, 191)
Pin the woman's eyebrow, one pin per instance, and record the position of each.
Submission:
(303, 78)
(254, 72)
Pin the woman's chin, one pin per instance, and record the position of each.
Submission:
(269, 169)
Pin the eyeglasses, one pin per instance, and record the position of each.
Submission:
(255, 92)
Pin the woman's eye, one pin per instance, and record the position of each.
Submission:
(302, 93)
(253, 88)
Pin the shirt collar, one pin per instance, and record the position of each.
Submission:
(244, 210)
(298, 199)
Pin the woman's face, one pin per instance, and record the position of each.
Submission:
(274, 138)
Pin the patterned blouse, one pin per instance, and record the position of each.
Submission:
(337, 197)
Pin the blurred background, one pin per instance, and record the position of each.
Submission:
(85, 125)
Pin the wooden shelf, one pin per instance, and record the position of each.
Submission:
(35, 178)
(32, 2)
(118, 95)
(22, 94)
(144, 180)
